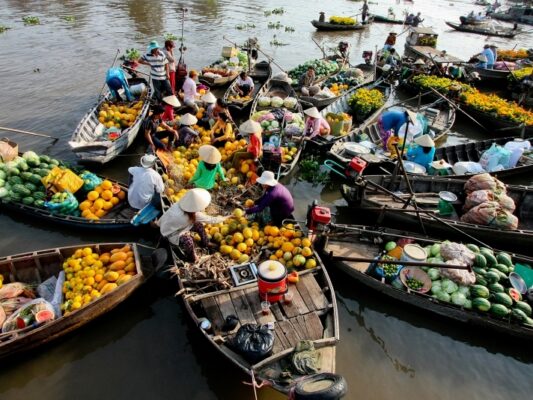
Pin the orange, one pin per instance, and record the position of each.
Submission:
(106, 195)
(307, 252)
(248, 203)
(86, 213)
(100, 213)
(249, 242)
(242, 247)
(287, 246)
(85, 205)
(274, 231)
(98, 204)
(93, 195)
(306, 242)
(238, 237)
(121, 195)
(235, 254)
(107, 205)
(106, 184)
(115, 201)
(98, 190)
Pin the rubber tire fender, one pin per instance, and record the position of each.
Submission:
(336, 390)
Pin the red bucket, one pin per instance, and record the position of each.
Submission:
(272, 281)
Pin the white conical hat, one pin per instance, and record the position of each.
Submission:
(209, 98)
(209, 154)
(188, 119)
(195, 200)
(412, 116)
(425, 141)
(419, 61)
(250, 127)
(172, 100)
(312, 112)
(148, 160)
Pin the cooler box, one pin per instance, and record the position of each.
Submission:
(229, 52)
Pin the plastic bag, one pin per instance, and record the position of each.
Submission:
(27, 314)
(63, 203)
(491, 213)
(517, 148)
(467, 167)
(495, 159)
(484, 181)
(90, 181)
(306, 360)
(457, 252)
(254, 342)
(460, 276)
(481, 196)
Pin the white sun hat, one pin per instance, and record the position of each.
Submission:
(172, 100)
(425, 141)
(267, 178)
(312, 112)
(209, 154)
(209, 98)
(195, 200)
(188, 119)
(250, 127)
(148, 160)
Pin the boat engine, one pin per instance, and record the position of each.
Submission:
(356, 167)
(367, 56)
(317, 217)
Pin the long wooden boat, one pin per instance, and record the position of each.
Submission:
(522, 14)
(324, 143)
(328, 26)
(469, 20)
(87, 141)
(440, 117)
(262, 72)
(489, 74)
(35, 267)
(363, 242)
(220, 80)
(482, 30)
(283, 90)
(387, 20)
(426, 190)
(368, 71)
(118, 218)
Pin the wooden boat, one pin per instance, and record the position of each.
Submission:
(325, 143)
(312, 315)
(421, 42)
(426, 190)
(491, 75)
(37, 266)
(440, 117)
(363, 242)
(522, 14)
(320, 103)
(118, 218)
(387, 20)
(328, 26)
(261, 72)
(487, 30)
(87, 142)
(283, 90)
(220, 80)
(473, 20)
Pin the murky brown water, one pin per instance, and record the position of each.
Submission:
(52, 73)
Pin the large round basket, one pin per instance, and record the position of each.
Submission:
(416, 273)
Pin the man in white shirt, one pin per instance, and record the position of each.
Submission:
(159, 70)
(146, 183)
(244, 85)
(189, 91)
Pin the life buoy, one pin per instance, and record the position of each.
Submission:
(323, 386)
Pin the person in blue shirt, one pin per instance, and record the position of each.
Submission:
(422, 152)
(482, 61)
(489, 58)
(389, 121)
(116, 79)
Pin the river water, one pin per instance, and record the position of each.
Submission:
(52, 73)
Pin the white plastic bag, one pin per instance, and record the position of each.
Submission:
(467, 167)
(495, 159)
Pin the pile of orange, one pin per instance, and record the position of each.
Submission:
(101, 200)
(289, 246)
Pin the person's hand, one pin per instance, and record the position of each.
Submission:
(226, 179)
(153, 149)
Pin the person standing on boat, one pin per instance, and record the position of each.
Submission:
(244, 85)
(392, 58)
(253, 131)
(486, 57)
(169, 103)
(189, 91)
(187, 135)
(186, 217)
(222, 131)
(390, 41)
(159, 70)
(168, 51)
(277, 198)
(306, 81)
(116, 80)
(153, 136)
(417, 20)
(422, 152)
(494, 50)
(482, 61)
(364, 11)
(409, 19)
(315, 124)
(145, 182)
(208, 169)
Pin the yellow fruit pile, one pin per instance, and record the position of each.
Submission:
(111, 115)
(89, 275)
(288, 153)
(101, 200)
(338, 88)
(289, 247)
(237, 98)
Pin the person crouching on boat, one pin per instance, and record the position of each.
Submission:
(187, 135)
(186, 217)
(390, 122)
(277, 198)
(209, 168)
(315, 124)
(153, 136)
(244, 84)
(422, 152)
(253, 131)
(222, 131)
(145, 182)
(169, 103)
(189, 91)
(210, 102)
(390, 41)
(116, 80)
(305, 83)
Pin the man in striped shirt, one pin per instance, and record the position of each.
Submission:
(159, 72)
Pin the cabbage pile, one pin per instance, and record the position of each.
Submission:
(263, 101)
(290, 103)
(322, 68)
(294, 123)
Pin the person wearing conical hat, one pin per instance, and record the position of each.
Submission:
(422, 152)
(254, 150)
(159, 70)
(390, 122)
(169, 103)
(146, 182)
(187, 135)
(315, 124)
(209, 168)
(222, 131)
(277, 199)
(186, 217)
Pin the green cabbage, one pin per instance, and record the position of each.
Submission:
(449, 286)
(464, 290)
(458, 298)
(443, 296)
(32, 159)
(3, 192)
(434, 273)
(467, 304)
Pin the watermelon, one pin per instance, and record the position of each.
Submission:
(499, 310)
(41, 172)
(3, 193)
(481, 304)
(13, 171)
(3, 174)
(21, 190)
(39, 195)
(502, 268)
(15, 180)
(26, 175)
(2, 183)
(522, 305)
(28, 200)
(479, 291)
(35, 179)
(503, 298)
(479, 270)
(491, 260)
(480, 261)
(44, 158)
(486, 250)
(514, 294)
(43, 316)
(38, 203)
(504, 258)
(492, 277)
(497, 271)
(30, 186)
(23, 166)
(472, 247)
(480, 280)
(518, 314)
(14, 197)
(53, 162)
(496, 288)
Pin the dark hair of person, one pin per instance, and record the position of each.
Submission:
(169, 43)
(243, 74)
(426, 149)
(191, 215)
(221, 103)
(209, 166)
(393, 51)
(223, 116)
(158, 109)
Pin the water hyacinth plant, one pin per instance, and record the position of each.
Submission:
(31, 20)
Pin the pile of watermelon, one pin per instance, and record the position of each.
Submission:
(20, 179)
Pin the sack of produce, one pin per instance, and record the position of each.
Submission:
(495, 159)
(478, 197)
(34, 313)
(63, 203)
(8, 150)
(484, 181)
(90, 180)
(460, 276)
(491, 213)
(254, 342)
(467, 167)
(457, 252)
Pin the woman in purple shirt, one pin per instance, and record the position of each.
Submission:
(277, 198)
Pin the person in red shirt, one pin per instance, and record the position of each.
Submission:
(169, 103)
(254, 149)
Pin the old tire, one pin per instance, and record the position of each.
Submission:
(323, 386)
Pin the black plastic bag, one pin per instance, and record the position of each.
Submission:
(254, 342)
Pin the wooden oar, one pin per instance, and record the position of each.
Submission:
(398, 262)
(3, 128)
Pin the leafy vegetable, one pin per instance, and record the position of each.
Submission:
(434, 273)
(31, 20)
(170, 36)
(4, 28)
(309, 171)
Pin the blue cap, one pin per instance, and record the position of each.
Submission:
(153, 45)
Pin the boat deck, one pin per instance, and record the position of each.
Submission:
(299, 320)
(349, 249)
(435, 55)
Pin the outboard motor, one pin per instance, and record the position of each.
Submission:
(317, 216)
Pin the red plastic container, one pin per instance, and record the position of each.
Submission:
(272, 281)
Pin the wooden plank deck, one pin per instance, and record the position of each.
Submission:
(346, 249)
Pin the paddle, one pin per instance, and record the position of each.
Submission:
(55, 139)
